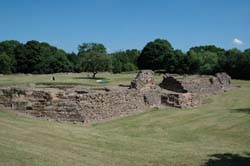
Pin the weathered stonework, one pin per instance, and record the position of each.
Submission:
(180, 100)
(224, 79)
(200, 84)
(144, 80)
(74, 104)
(98, 104)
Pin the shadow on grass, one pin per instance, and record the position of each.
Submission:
(243, 110)
(90, 78)
(63, 84)
(228, 159)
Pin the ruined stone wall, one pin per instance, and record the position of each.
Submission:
(74, 105)
(196, 84)
(180, 100)
(98, 104)
(144, 80)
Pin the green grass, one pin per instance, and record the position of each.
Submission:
(158, 137)
(67, 79)
(81, 79)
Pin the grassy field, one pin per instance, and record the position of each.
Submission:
(82, 79)
(217, 133)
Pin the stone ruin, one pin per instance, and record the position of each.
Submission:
(144, 80)
(87, 105)
(200, 84)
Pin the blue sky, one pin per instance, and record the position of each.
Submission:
(127, 24)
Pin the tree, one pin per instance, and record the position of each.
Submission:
(5, 64)
(21, 59)
(210, 48)
(133, 55)
(75, 62)
(203, 62)
(237, 64)
(9, 47)
(28, 57)
(205, 59)
(123, 61)
(31, 56)
(91, 47)
(96, 62)
(55, 63)
(154, 53)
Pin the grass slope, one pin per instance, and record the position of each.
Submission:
(217, 133)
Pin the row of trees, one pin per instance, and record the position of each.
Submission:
(159, 54)
(40, 57)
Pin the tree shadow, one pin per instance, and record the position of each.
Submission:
(242, 110)
(90, 78)
(228, 159)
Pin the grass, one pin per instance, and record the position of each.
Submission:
(67, 79)
(217, 133)
(81, 79)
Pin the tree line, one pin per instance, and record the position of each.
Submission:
(158, 55)
(209, 59)
(41, 58)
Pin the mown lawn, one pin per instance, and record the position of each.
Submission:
(217, 133)
(83, 79)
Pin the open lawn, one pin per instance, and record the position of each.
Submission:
(81, 79)
(217, 133)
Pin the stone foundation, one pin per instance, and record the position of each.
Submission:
(99, 104)
(81, 105)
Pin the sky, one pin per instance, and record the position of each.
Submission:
(127, 24)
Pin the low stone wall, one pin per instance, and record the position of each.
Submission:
(181, 100)
(74, 104)
(98, 104)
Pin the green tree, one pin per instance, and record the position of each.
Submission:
(123, 61)
(28, 57)
(31, 56)
(205, 59)
(55, 63)
(237, 64)
(75, 62)
(21, 59)
(5, 64)
(133, 55)
(9, 47)
(154, 53)
(91, 47)
(203, 62)
(96, 62)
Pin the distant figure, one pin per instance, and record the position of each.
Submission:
(53, 78)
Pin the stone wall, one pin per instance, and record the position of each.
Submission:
(98, 104)
(74, 104)
(144, 80)
(180, 100)
(196, 83)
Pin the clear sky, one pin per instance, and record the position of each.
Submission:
(126, 24)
